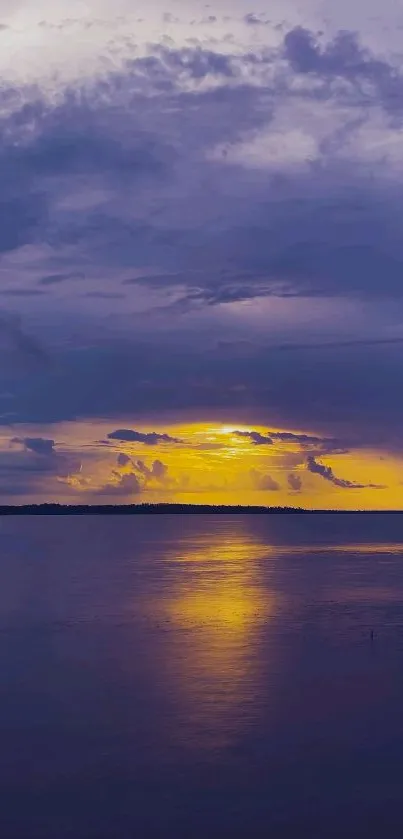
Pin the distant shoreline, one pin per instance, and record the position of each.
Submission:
(161, 509)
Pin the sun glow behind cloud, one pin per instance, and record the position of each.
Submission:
(202, 216)
(198, 463)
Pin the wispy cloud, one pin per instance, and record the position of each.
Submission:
(327, 473)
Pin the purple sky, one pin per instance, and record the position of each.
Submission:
(195, 200)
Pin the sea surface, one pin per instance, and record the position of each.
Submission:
(201, 676)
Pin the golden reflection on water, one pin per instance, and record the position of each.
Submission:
(217, 608)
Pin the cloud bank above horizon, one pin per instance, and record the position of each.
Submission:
(202, 212)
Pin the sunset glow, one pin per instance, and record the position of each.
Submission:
(203, 463)
(201, 248)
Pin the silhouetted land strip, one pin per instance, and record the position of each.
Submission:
(158, 509)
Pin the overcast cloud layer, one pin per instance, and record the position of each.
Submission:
(202, 214)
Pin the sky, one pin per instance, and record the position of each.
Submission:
(201, 252)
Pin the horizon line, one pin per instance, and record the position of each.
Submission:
(53, 508)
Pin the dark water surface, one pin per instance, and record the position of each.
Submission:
(201, 676)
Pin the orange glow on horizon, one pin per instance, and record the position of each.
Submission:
(211, 465)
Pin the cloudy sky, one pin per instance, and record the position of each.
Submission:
(201, 252)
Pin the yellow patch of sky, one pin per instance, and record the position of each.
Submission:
(213, 465)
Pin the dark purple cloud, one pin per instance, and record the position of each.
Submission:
(33, 466)
(255, 437)
(143, 172)
(327, 473)
(152, 438)
(110, 132)
(134, 378)
(38, 445)
(16, 341)
(303, 440)
(344, 57)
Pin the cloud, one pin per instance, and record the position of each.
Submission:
(46, 457)
(158, 470)
(126, 484)
(294, 482)
(14, 340)
(69, 150)
(32, 466)
(233, 292)
(323, 444)
(149, 439)
(55, 279)
(197, 62)
(344, 57)
(22, 217)
(331, 345)
(168, 17)
(292, 389)
(255, 437)
(219, 222)
(303, 440)
(123, 459)
(141, 466)
(104, 295)
(97, 139)
(132, 478)
(255, 191)
(253, 20)
(327, 473)
(263, 481)
(38, 445)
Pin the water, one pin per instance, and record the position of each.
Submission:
(201, 676)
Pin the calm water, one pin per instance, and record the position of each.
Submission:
(201, 676)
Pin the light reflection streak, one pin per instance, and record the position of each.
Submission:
(217, 610)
